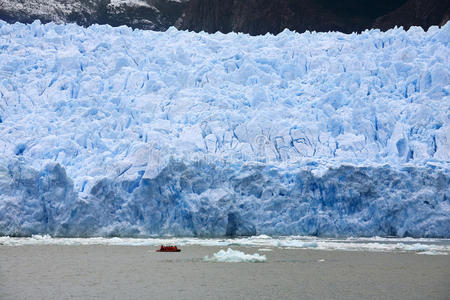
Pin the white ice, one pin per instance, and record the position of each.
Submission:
(234, 256)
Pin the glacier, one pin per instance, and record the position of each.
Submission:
(118, 132)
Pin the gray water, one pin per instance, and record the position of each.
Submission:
(127, 272)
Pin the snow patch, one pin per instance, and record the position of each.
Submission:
(137, 3)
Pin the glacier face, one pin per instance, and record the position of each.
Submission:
(114, 132)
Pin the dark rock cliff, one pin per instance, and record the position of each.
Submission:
(416, 13)
(249, 16)
(261, 16)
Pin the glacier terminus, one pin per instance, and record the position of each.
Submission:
(119, 132)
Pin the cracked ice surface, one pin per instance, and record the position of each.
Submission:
(110, 131)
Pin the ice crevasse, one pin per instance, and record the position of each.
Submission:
(119, 132)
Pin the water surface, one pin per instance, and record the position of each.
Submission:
(130, 272)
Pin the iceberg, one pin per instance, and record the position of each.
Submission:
(118, 132)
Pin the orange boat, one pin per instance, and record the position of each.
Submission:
(168, 249)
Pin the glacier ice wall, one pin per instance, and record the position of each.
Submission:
(114, 132)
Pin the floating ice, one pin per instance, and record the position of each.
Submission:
(419, 246)
(234, 256)
(432, 253)
(119, 132)
(297, 244)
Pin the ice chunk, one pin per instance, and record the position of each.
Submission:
(234, 256)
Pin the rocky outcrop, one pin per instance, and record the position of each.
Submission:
(151, 14)
(143, 14)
